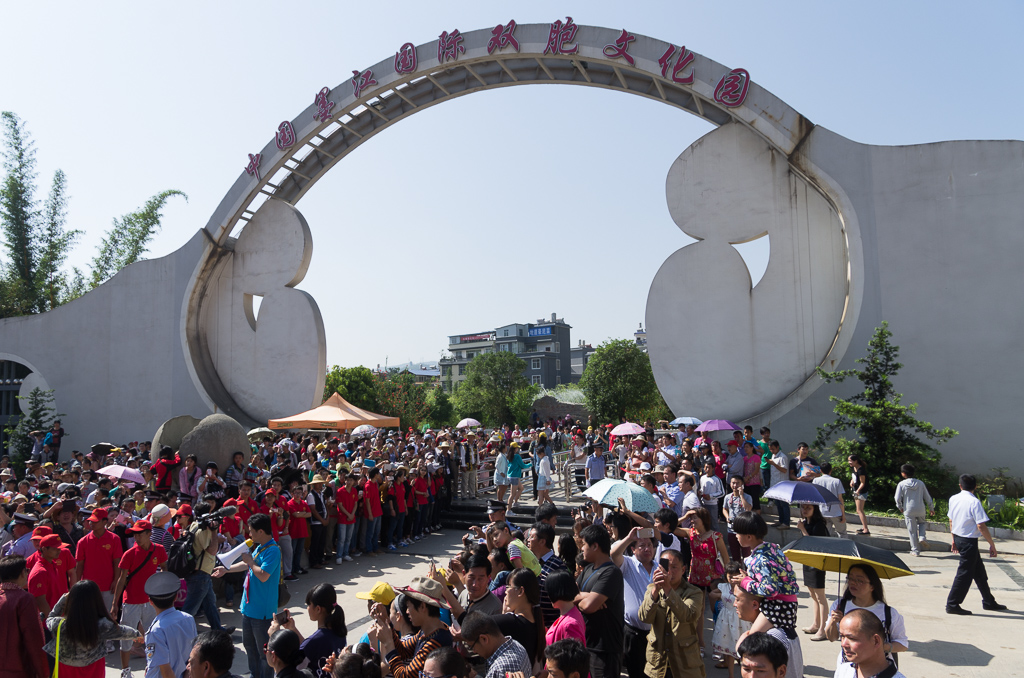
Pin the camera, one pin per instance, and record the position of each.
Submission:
(213, 519)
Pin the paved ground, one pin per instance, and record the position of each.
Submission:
(985, 644)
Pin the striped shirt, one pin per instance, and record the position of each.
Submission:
(409, 655)
(548, 563)
(508, 658)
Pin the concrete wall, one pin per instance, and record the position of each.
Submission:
(933, 236)
(120, 358)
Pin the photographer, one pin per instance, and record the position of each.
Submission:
(200, 583)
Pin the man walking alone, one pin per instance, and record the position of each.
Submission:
(967, 522)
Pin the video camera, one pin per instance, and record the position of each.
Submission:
(213, 519)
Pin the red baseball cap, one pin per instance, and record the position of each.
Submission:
(41, 532)
(50, 541)
(98, 515)
(733, 443)
(141, 526)
(184, 510)
(271, 492)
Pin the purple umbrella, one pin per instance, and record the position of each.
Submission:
(798, 492)
(718, 425)
(123, 473)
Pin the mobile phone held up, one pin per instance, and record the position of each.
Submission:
(282, 617)
(646, 533)
(663, 562)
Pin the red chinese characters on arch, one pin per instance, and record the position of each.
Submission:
(684, 59)
(619, 49)
(560, 37)
(253, 168)
(361, 81)
(732, 88)
(405, 58)
(449, 46)
(285, 136)
(503, 36)
(323, 105)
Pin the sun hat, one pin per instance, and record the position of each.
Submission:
(318, 480)
(159, 511)
(646, 466)
(380, 593)
(425, 590)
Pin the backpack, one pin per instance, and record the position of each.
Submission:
(556, 441)
(182, 559)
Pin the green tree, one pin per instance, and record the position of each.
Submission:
(488, 393)
(129, 237)
(619, 383)
(887, 431)
(398, 395)
(53, 285)
(441, 409)
(40, 416)
(355, 384)
(19, 216)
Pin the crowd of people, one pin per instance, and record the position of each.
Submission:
(91, 563)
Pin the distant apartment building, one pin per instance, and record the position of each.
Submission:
(579, 356)
(543, 346)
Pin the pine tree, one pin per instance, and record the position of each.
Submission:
(18, 217)
(39, 417)
(887, 430)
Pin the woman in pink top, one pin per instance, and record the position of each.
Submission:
(562, 591)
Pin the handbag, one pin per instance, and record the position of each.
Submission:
(56, 650)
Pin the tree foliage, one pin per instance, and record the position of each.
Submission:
(442, 411)
(40, 416)
(129, 237)
(355, 384)
(489, 391)
(618, 383)
(886, 432)
(398, 395)
(37, 242)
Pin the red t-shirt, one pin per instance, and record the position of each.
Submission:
(438, 482)
(274, 527)
(162, 471)
(300, 526)
(135, 589)
(347, 500)
(233, 526)
(420, 485)
(100, 556)
(371, 495)
(63, 563)
(399, 492)
(42, 581)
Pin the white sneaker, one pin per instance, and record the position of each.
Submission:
(347, 559)
(126, 673)
(339, 561)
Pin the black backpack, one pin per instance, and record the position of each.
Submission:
(182, 559)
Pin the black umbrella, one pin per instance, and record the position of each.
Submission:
(835, 554)
(103, 448)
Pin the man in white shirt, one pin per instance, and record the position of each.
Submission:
(834, 514)
(967, 522)
(637, 570)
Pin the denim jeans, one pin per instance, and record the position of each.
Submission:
(420, 520)
(256, 634)
(285, 542)
(200, 595)
(345, 533)
(783, 509)
(395, 531)
(372, 534)
(916, 527)
(298, 547)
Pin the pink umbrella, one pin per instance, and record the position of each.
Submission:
(627, 429)
(718, 425)
(123, 473)
(467, 423)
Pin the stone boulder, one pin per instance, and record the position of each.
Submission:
(216, 438)
(172, 432)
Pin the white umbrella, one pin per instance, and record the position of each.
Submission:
(627, 429)
(466, 423)
(123, 473)
(363, 430)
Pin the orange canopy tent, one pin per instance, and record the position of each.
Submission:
(336, 413)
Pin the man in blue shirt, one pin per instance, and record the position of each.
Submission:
(594, 465)
(259, 599)
(170, 636)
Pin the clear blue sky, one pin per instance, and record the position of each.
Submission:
(527, 200)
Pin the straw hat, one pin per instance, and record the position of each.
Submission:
(425, 590)
(318, 480)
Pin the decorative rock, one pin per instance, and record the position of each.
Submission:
(216, 438)
(172, 432)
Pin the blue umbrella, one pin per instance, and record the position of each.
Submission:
(686, 421)
(798, 492)
(608, 491)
